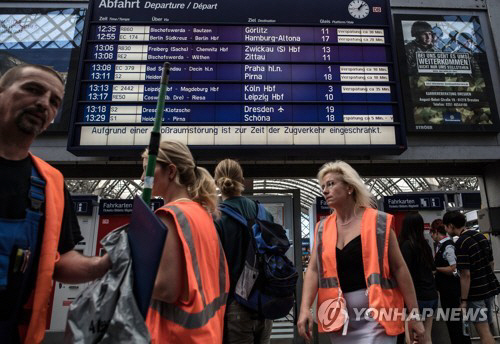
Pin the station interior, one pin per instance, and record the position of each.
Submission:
(411, 164)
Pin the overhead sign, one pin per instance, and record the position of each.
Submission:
(274, 73)
(414, 202)
(84, 204)
(321, 206)
(445, 73)
(471, 200)
(123, 206)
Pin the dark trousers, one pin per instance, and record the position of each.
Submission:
(451, 300)
(8, 333)
(242, 326)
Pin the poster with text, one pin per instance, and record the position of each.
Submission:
(445, 74)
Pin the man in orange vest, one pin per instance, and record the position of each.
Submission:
(38, 227)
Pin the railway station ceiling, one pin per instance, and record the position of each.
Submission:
(123, 189)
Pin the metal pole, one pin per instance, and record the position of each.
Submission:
(154, 140)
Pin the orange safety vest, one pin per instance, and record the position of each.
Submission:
(385, 299)
(200, 319)
(54, 209)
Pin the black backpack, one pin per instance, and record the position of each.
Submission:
(267, 282)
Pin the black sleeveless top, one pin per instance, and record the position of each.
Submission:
(350, 266)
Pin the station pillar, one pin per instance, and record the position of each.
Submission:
(490, 198)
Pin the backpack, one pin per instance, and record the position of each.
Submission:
(267, 283)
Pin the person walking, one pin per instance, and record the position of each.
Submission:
(38, 226)
(356, 264)
(418, 257)
(478, 284)
(241, 325)
(192, 283)
(447, 280)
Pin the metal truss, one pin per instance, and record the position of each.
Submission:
(309, 188)
(107, 188)
(42, 30)
(378, 187)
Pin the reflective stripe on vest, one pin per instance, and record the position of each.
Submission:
(375, 278)
(179, 316)
(329, 282)
(381, 228)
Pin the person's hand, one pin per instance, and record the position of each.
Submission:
(416, 330)
(104, 264)
(305, 324)
(463, 306)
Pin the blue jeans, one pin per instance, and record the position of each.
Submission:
(483, 308)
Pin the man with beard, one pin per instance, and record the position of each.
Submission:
(38, 227)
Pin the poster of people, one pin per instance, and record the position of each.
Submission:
(445, 74)
(47, 36)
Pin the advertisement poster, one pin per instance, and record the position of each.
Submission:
(445, 74)
(47, 36)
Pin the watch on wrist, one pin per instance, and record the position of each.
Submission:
(464, 300)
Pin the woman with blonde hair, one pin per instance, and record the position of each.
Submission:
(356, 268)
(190, 291)
(241, 325)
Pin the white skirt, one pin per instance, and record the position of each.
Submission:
(361, 330)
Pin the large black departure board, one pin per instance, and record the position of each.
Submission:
(273, 73)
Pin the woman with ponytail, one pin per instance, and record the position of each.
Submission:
(241, 325)
(192, 283)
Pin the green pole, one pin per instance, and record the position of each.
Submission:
(154, 140)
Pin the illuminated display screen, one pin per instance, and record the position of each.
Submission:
(447, 79)
(269, 73)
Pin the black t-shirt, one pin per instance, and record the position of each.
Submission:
(15, 184)
(474, 254)
(235, 238)
(422, 276)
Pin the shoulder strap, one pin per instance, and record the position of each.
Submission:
(37, 190)
(261, 211)
(233, 213)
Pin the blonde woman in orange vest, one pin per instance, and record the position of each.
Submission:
(356, 269)
(192, 284)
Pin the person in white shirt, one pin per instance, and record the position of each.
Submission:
(447, 279)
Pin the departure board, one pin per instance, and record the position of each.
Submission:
(279, 74)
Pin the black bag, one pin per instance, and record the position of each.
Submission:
(267, 282)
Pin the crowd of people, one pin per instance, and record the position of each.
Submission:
(461, 272)
(357, 261)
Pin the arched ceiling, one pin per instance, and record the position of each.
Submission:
(109, 188)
